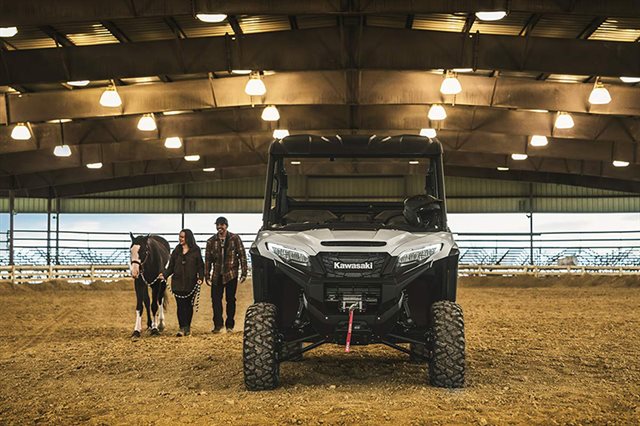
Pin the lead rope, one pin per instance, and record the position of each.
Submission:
(195, 302)
(194, 295)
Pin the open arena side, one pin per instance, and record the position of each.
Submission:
(540, 351)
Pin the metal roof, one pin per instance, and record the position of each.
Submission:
(331, 67)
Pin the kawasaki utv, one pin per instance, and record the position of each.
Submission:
(355, 251)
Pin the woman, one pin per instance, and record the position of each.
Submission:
(187, 268)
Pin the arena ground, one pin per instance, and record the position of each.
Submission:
(540, 351)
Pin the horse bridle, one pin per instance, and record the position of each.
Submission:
(141, 264)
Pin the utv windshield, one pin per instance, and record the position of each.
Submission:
(354, 193)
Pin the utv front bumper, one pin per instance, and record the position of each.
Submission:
(315, 299)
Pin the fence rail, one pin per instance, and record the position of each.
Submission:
(24, 274)
(20, 274)
(595, 248)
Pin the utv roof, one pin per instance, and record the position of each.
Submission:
(355, 146)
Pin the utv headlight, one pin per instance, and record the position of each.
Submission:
(289, 254)
(418, 255)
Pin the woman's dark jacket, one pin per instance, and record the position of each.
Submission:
(186, 269)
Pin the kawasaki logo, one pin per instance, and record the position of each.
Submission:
(341, 265)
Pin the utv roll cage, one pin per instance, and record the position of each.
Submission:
(361, 147)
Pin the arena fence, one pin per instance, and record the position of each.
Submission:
(597, 248)
(22, 274)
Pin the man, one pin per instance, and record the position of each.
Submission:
(225, 252)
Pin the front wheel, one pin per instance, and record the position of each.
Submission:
(260, 348)
(447, 363)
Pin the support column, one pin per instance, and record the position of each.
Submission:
(12, 200)
(57, 231)
(49, 230)
(183, 202)
(530, 216)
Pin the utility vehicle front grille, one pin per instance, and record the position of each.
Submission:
(354, 265)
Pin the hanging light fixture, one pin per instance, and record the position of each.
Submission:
(491, 16)
(630, 80)
(519, 157)
(62, 151)
(450, 85)
(295, 162)
(502, 168)
(173, 142)
(280, 133)
(194, 157)
(110, 97)
(564, 120)
(599, 95)
(8, 31)
(147, 123)
(209, 169)
(211, 18)
(94, 165)
(270, 113)
(539, 140)
(78, 83)
(21, 132)
(620, 163)
(414, 162)
(429, 133)
(437, 112)
(255, 86)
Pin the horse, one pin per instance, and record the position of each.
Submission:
(149, 255)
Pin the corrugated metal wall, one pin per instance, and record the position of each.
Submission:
(465, 195)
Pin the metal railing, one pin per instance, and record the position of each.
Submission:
(90, 273)
(21, 274)
(598, 248)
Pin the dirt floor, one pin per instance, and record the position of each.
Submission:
(540, 351)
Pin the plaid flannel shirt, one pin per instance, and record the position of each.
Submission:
(234, 256)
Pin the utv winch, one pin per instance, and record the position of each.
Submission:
(342, 259)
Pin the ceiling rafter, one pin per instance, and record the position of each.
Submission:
(228, 151)
(322, 49)
(323, 88)
(36, 12)
(592, 132)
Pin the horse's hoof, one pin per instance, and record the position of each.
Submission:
(161, 327)
(155, 332)
(135, 334)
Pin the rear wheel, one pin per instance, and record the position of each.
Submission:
(447, 363)
(259, 350)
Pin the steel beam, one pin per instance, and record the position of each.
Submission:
(456, 164)
(601, 136)
(540, 160)
(322, 49)
(256, 143)
(31, 12)
(323, 88)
